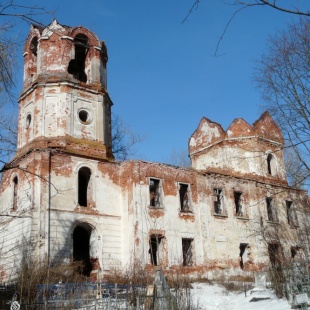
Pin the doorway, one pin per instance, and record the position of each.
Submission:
(81, 247)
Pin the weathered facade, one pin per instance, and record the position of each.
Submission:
(65, 196)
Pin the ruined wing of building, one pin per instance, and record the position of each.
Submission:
(65, 196)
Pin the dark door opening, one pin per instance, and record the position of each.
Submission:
(81, 248)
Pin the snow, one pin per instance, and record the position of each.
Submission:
(214, 297)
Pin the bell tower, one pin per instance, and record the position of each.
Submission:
(52, 189)
(64, 103)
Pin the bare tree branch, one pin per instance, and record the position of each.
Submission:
(194, 6)
(274, 5)
(247, 4)
(123, 139)
(283, 75)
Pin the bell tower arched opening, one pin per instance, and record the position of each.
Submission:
(77, 65)
(81, 247)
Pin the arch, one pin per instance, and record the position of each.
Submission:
(32, 66)
(15, 192)
(271, 164)
(84, 189)
(34, 46)
(76, 66)
(81, 246)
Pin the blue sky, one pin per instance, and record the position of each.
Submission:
(163, 76)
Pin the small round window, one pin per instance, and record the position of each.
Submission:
(84, 116)
(28, 120)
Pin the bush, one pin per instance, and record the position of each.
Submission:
(34, 272)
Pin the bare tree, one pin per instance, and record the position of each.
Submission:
(123, 139)
(11, 14)
(283, 76)
(180, 159)
(290, 7)
(296, 172)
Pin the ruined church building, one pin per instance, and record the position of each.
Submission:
(64, 195)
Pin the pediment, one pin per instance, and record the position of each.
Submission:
(206, 134)
(240, 128)
(265, 126)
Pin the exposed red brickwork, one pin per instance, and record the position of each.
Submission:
(240, 128)
(118, 196)
(266, 127)
(216, 133)
(187, 216)
(56, 46)
(156, 213)
(68, 144)
(62, 165)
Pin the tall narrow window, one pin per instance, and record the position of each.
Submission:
(34, 46)
(269, 163)
(238, 205)
(15, 193)
(243, 254)
(77, 65)
(274, 251)
(187, 251)
(184, 197)
(156, 249)
(33, 56)
(271, 212)
(84, 186)
(218, 201)
(291, 215)
(155, 193)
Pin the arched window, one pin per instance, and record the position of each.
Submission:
(77, 65)
(33, 57)
(15, 189)
(269, 164)
(84, 186)
(34, 46)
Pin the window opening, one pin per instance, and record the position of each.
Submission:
(184, 197)
(34, 46)
(155, 193)
(155, 250)
(238, 205)
(218, 201)
(77, 65)
(296, 253)
(271, 214)
(83, 186)
(291, 216)
(274, 251)
(269, 160)
(81, 245)
(15, 189)
(243, 254)
(187, 251)
(84, 116)
(28, 120)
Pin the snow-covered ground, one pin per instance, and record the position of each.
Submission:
(211, 297)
